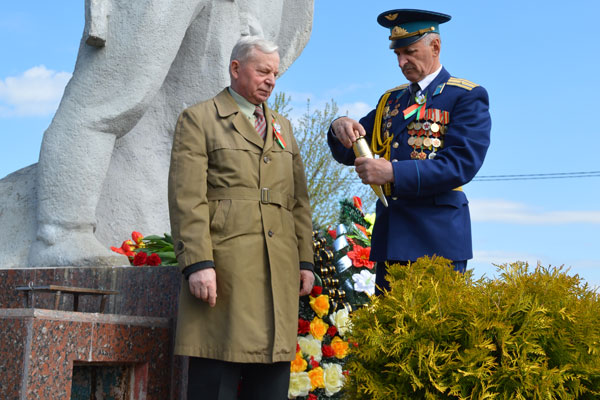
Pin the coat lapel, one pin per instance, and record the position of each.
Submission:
(228, 108)
(432, 89)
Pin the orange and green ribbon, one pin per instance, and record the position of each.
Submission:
(418, 109)
(278, 137)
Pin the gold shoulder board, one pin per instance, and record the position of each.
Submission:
(462, 83)
(404, 86)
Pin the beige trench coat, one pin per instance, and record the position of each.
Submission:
(242, 203)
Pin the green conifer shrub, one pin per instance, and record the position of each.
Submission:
(439, 334)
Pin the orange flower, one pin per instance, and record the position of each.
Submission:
(316, 378)
(340, 347)
(127, 246)
(357, 203)
(320, 304)
(137, 237)
(299, 364)
(362, 229)
(318, 328)
(360, 257)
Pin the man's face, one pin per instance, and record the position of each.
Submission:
(254, 78)
(419, 59)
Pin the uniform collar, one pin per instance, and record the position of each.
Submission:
(423, 83)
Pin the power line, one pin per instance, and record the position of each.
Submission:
(515, 177)
(555, 175)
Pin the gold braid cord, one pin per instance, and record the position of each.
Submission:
(380, 145)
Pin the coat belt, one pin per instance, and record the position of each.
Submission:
(264, 195)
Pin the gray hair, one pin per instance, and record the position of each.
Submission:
(428, 37)
(246, 44)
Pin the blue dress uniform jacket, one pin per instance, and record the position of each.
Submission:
(428, 212)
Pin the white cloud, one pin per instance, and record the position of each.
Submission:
(37, 92)
(503, 257)
(498, 210)
(355, 110)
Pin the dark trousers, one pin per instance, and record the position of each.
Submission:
(221, 380)
(381, 284)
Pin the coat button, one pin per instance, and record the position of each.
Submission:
(394, 160)
(271, 233)
(266, 160)
(395, 145)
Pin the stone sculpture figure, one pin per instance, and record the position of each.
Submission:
(104, 158)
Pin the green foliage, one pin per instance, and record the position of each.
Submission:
(327, 180)
(441, 335)
(161, 245)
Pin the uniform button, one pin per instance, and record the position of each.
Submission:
(266, 160)
(395, 145)
(394, 198)
(394, 160)
(271, 233)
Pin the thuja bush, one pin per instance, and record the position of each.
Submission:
(438, 334)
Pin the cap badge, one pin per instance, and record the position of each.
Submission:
(391, 17)
(399, 31)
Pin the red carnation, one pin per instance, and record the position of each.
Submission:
(303, 326)
(327, 351)
(297, 347)
(140, 259)
(154, 260)
(360, 257)
(332, 233)
(332, 331)
(313, 363)
(316, 291)
(312, 396)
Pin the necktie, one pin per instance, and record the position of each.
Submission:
(414, 88)
(260, 124)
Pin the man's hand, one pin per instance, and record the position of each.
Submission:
(374, 171)
(347, 130)
(203, 285)
(307, 279)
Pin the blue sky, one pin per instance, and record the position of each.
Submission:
(537, 59)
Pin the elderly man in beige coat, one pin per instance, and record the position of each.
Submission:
(241, 221)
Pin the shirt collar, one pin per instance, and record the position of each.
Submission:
(428, 79)
(246, 107)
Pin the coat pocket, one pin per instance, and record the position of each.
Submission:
(218, 217)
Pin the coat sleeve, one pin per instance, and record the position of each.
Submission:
(302, 210)
(188, 205)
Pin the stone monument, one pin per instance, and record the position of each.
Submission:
(104, 159)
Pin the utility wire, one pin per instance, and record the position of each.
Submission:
(516, 177)
(556, 175)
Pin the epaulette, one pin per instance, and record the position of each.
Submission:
(462, 83)
(401, 87)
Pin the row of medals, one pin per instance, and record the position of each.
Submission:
(425, 135)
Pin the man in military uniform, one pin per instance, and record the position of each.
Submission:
(432, 136)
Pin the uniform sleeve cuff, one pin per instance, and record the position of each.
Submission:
(190, 269)
(307, 266)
